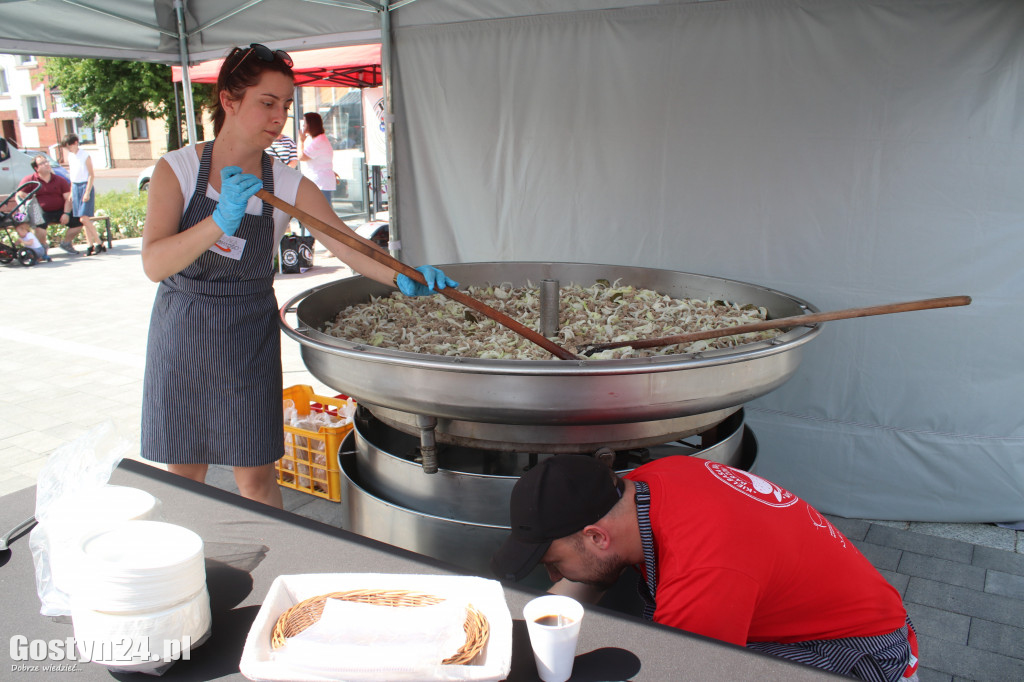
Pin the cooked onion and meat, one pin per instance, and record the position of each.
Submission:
(604, 312)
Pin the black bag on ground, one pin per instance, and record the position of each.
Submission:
(296, 254)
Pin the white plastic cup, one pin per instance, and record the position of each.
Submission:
(553, 622)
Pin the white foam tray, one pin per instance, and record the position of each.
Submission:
(493, 663)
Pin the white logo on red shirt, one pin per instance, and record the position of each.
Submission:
(754, 487)
(820, 521)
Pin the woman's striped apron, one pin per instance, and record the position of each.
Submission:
(212, 387)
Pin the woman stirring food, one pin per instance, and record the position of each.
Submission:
(212, 388)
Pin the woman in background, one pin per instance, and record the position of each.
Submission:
(212, 392)
(317, 154)
(83, 193)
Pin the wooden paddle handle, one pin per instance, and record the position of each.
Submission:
(412, 273)
(783, 322)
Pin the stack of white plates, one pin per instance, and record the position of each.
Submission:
(79, 515)
(141, 586)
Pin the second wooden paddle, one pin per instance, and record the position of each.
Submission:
(783, 322)
(414, 274)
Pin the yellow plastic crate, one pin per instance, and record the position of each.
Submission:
(310, 461)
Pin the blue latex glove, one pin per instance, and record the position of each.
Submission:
(235, 189)
(436, 279)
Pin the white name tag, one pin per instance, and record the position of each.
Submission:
(229, 246)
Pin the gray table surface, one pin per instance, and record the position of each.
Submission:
(247, 545)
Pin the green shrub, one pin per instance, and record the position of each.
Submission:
(127, 211)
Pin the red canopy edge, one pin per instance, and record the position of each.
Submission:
(353, 66)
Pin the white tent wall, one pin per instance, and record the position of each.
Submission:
(848, 153)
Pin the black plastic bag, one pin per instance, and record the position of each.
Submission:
(296, 254)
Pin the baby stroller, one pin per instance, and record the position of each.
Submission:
(10, 247)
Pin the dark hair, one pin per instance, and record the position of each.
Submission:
(69, 140)
(35, 161)
(314, 124)
(239, 72)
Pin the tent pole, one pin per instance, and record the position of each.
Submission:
(177, 114)
(395, 240)
(186, 82)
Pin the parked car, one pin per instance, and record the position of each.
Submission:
(17, 163)
(144, 176)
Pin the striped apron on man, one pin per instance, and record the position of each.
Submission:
(212, 387)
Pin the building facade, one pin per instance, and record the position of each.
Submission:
(26, 104)
(35, 117)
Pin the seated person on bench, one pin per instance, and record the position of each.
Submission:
(54, 198)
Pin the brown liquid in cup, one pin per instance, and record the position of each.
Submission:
(553, 621)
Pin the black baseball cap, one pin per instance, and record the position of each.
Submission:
(563, 494)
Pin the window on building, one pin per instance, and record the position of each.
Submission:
(86, 134)
(3, 82)
(26, 59)
(34, 108)
(140, 129)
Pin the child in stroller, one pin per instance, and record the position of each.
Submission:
(26, 248)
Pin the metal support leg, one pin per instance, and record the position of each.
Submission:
(606, 456)
(428, 444)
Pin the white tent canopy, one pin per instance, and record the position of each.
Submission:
(180, 31)
(148, 30)
(848, 153)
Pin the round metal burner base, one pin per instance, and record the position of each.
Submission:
(475, 485)
(460, 514)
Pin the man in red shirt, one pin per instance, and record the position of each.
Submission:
(722, 553)
(54, 197)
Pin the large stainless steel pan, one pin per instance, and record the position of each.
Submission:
(551, 392)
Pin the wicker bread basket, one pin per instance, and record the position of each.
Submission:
(305, 613)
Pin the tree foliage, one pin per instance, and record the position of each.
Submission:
(114, 90)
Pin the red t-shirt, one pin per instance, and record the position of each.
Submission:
(51, 194)
(741, 559)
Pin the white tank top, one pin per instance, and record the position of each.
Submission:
(185, 164)
(77, 169)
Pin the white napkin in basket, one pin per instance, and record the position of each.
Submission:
(368, 637)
